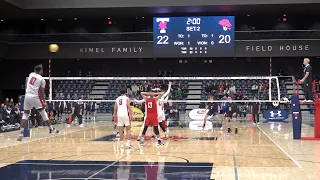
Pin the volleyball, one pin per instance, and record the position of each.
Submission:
(53, 48)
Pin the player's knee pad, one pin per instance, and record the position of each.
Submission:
(26, 116)
(44, 115)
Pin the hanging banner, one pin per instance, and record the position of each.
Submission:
(98, 50)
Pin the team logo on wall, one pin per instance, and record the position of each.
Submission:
(276, 115)
(226, 25)
(163, 24)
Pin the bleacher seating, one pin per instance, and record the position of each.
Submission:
(79, 87)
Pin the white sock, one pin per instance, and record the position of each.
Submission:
(21, 130)
(50, 127)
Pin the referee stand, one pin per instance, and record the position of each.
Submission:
(297, 117)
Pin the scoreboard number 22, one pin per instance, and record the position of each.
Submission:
(162, 40)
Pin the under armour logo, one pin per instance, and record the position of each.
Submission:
(272, 114)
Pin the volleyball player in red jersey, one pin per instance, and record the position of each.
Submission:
(151, 115)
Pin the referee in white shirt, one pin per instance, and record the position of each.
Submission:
(307, 80)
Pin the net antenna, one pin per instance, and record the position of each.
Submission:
(273, 83)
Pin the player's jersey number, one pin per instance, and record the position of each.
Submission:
(120, 101)
(149, 105)
(32, 80)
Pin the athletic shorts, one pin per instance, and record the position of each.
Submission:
(230, 114)
(32, 101)
(123, 120)
(161, 117)
(212, 113)
(151, 121)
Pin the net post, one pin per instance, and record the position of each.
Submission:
(50, 90)
(270, 92)
(278, 88)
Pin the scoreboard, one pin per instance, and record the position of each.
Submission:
(201, 36)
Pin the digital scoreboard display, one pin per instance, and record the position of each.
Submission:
(202, 36)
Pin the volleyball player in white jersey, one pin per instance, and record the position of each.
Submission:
(161, 113)
(34, 98)
(123, 115)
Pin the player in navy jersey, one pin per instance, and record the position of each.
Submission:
(68, 105)
(213, 110)
(231, 113)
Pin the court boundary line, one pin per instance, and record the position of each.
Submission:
(296, 162)
(235, 165)
(52, 164)
(52, 136)
(95, 174)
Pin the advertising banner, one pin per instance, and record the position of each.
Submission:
(98, 50)
(277, 48)
(92, 50)
(276, 115)
(198, 114)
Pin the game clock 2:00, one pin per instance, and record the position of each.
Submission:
(205, 36)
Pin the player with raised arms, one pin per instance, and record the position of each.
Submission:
(213, 110)
(161, 113)
(122, 116)
(151, 115)
(34, 98)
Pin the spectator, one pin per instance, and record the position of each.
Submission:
(232, 90)
(159, 73)
(2, 114)
(173, 112)
(11, 104)
(80, 73)
(6, 102)
(5, 114)
(254, 89)
(15, 115)
(221, 88)
(89, 74)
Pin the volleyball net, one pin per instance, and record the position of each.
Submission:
(183, 90)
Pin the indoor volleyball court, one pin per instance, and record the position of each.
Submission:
(270, 150)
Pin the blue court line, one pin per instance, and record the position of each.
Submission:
(235, 165)
(111, 164)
